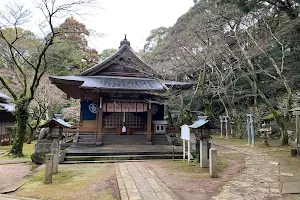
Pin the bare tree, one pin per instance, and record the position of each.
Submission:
(33, 60)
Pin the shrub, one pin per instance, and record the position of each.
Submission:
(11, 130)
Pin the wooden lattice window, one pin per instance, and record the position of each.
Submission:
(113, 120)
(133, 120)
(116, 120)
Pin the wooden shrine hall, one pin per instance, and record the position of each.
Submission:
(122, 94)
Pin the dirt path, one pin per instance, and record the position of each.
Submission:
(195, 182)
(11, 173)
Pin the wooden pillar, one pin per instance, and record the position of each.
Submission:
(149, 125)
(81, 99)
(80, 119)
(99, 127)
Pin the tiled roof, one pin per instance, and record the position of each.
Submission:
(114, 82)
(3, 96)
(7, 107)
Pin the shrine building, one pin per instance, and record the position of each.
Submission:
(122, 94)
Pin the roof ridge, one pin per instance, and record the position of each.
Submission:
(143, 65)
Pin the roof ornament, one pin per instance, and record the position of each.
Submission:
(125, 41)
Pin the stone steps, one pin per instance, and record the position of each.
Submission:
(86, 139)
(126, 155)
(124, 139)
(159, 140)
(112, 153)
(101, 161)
(121, 157)
(107, 161)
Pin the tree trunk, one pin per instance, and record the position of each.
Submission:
(21, 112)
(30, 136)
(285, 138)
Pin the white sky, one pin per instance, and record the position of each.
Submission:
(136, 18)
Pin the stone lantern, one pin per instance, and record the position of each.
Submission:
(203, 128)
(56, 125)
(296, 112)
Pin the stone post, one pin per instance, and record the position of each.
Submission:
(49, 166)
(248, 131)
(297, 114)
(55, 152)
(213, 163)
(250, 128)
(221, 126)
(251, 122)
(226, 125)
(204, 153)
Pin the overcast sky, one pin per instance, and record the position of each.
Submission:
(136, 18)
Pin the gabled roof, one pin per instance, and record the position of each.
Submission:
(203, 122)
(113, 82)
(126, 57)
(123, 71)
(3, 96)
(7, 107)
(56, 121)
(4, 103)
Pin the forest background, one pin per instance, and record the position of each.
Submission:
(243, 56)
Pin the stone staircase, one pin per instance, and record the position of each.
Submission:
(160, 139)
(112, 157)
(119, 148)
(108, 139)
(85, 139)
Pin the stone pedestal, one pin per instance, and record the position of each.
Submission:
(42, 147)
(204, 162)
(55, 152)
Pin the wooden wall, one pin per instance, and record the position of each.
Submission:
(6, 119)
(3, 124)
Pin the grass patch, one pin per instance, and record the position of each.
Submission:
(83, 181)
(230, 140)
(222, 164)
(244, 141)
(292, 197)
(194, 169)
(28, 149)
(64, 176)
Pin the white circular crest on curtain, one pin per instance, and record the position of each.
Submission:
(154, 109)
(93, 108)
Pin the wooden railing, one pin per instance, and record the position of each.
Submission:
(84, 127)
